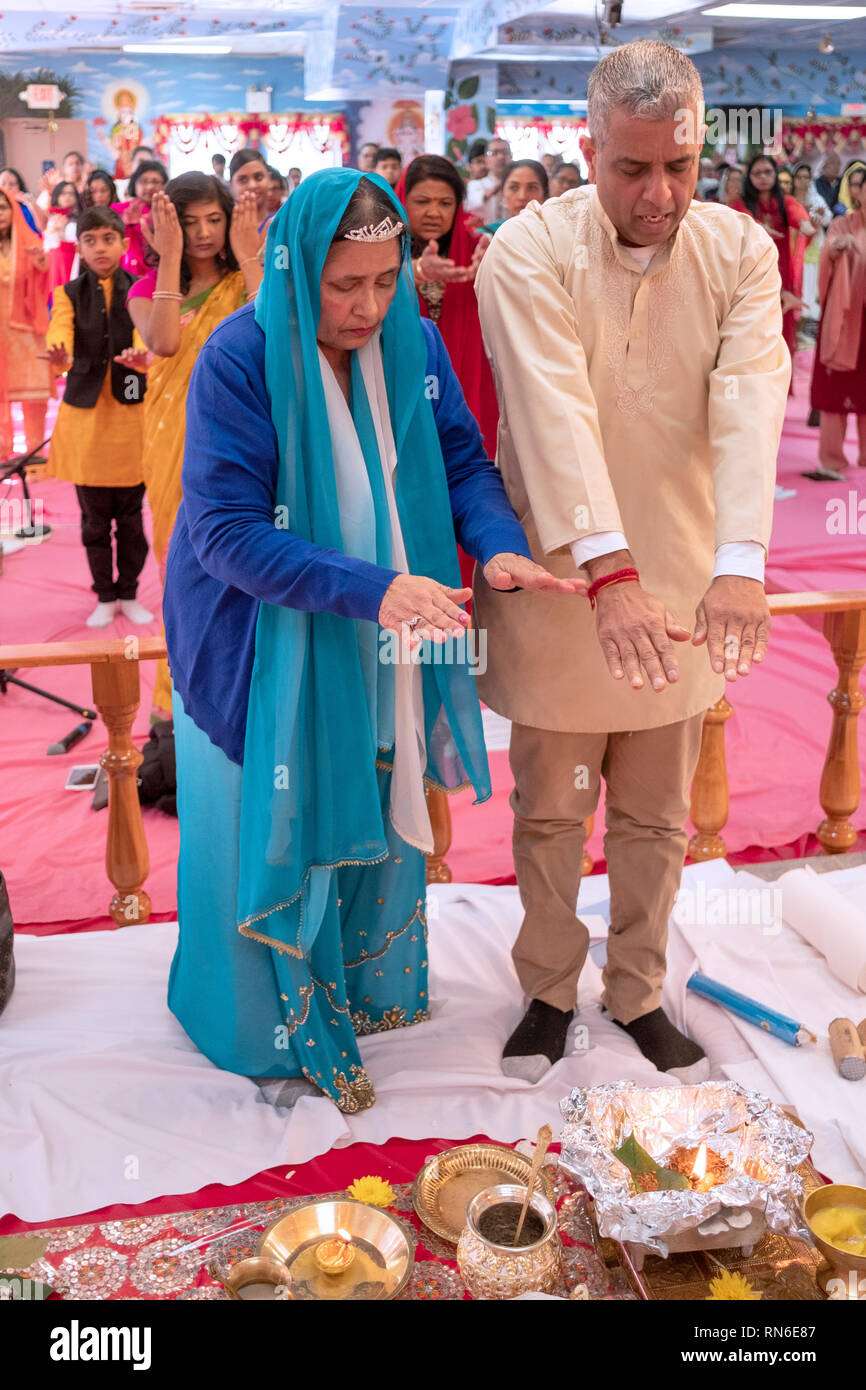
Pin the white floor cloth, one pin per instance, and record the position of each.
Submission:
(104, 1100)
(782, 970)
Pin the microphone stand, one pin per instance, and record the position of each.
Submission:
(8, 470)
(19, 466)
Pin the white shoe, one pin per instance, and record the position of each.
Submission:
(783, 493)
(134, 611)
(11, 547)
(102, 615)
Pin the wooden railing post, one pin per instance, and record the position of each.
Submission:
(440, 823)
(840, 780)
(116, 694)
(709, 795)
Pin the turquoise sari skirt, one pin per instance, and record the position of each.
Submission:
(260, 1011)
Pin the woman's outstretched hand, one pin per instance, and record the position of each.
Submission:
(412, 596)
(516, 572)
(436, 267)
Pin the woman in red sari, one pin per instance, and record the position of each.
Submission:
(445, 256)
(787, 221)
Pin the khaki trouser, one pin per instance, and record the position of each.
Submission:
(647, 775)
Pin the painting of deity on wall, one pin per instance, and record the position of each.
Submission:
(124, 105)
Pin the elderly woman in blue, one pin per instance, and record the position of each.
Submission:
(330, 459)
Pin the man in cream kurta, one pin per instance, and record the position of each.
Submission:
(635, 338)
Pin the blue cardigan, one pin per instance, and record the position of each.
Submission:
(226, 556)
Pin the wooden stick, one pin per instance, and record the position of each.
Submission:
(542, 1144)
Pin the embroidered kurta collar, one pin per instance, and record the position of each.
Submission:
(626, 260)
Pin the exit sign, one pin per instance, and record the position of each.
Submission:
(39, 96)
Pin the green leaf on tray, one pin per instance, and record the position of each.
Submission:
(17, 1252)
(670, 1180)
(635, 1157)
(637, 1160)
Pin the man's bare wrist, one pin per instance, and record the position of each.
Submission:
(606, 564)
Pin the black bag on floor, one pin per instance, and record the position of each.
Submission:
(7, 956)
(157, 776)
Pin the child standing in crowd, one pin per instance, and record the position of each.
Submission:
(60, 233)
(147, 178)
(97, 440)
(100, 191)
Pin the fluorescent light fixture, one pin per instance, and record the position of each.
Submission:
(177, 48)
(759, 11)
(540, 101)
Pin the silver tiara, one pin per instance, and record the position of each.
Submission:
(386, 231)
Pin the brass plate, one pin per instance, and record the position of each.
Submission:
(383, 1257)
(447, 1183)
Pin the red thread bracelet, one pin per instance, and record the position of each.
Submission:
(625, 576)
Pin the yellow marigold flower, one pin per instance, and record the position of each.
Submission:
(376, 1192)
(727, 1287)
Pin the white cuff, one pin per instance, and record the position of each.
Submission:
(598, 543)
(744, 558)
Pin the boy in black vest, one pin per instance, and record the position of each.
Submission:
(97, 440)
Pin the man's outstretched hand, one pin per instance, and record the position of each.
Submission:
(734, 620)
(634, 628)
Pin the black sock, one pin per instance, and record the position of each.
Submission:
(541, 1031)
(661, 1043)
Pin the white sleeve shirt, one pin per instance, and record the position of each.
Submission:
(744, 558)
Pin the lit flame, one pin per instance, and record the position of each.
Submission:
(346, 1238)
(700, 1166)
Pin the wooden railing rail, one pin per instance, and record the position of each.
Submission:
(116, 688)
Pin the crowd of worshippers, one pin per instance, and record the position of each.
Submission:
(138, 273)
(116, 284)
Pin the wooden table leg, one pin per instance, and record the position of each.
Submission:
(709, 797)
(840, 780)
(116, 694)
(440, 823)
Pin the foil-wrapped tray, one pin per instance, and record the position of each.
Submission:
(763, 1147)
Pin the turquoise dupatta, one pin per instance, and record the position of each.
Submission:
(309, 798)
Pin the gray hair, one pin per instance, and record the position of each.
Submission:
(651, 80)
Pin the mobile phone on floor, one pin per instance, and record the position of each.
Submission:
(82, 777)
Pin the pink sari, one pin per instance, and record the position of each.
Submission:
(842, 292)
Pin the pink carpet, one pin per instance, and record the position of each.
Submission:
(52, 845)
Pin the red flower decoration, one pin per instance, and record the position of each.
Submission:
(460, 122)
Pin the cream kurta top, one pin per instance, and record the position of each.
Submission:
(648, 402)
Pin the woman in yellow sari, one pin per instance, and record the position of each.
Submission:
(204, 246)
